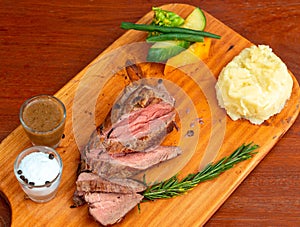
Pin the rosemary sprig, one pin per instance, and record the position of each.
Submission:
(174, 187)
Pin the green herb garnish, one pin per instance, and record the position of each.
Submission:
(175, 187)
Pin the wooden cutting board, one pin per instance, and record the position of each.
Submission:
(191, 209)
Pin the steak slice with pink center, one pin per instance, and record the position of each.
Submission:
(110, 208)
(140, 130)
(109, 166)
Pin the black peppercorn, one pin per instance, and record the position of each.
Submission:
(51, 156)
(19, 171)
(47, 183)
(31, 183)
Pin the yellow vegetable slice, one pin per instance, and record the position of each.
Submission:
(192, 55)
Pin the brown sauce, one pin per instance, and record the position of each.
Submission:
(42, 115)
(44, 121)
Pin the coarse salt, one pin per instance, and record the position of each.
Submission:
(38, 168)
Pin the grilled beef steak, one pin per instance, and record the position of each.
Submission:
(127, 143)
(140, 119)
(110, 208)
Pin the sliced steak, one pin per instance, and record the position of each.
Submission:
(138, 95)
(90, 182)
(140, 130)
(140, 119)
(124, 145)
(109, 166)
(110, 208)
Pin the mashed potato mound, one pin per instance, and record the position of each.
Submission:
(255, 85)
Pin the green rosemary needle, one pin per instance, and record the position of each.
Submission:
(174, 187)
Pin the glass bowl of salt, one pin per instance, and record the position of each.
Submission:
(38, 170)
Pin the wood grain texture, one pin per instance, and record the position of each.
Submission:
(56, 40)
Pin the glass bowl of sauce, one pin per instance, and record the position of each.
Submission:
(43, 119)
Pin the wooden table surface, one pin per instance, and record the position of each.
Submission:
(44, 45)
